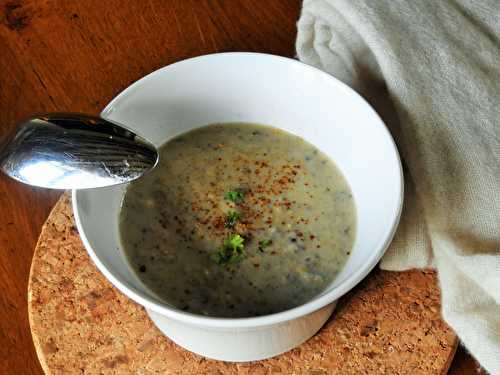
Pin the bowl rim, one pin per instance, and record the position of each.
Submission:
(264, 320)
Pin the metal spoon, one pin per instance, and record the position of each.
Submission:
(74, 151)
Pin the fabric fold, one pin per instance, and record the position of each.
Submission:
(431, 71)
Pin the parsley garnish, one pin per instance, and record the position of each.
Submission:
(232, 250)
(231, 219)
(236, 196)
(263, 244)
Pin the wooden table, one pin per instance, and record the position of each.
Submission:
(76, 56)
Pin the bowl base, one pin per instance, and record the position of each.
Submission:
(243, 344)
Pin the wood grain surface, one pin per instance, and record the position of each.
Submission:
(75, 56)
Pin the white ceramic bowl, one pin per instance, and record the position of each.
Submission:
(266, 89)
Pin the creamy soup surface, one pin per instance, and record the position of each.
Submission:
(238, 220)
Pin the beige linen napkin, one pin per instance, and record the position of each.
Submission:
(431, 68)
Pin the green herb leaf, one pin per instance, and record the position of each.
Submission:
(231, 219)
(232, 250)
(235, 242)
(263, 244)
(236, 196)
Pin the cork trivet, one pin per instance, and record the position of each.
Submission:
(81, 324)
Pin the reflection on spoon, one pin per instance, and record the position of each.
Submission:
(74, 151)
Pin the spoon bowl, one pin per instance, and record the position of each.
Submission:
(74, 151)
